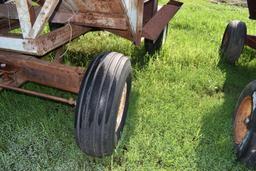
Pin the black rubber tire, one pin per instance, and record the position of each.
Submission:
(3, 1)
(154, 46)
(248, 156)
(98, 104)
(233, 41)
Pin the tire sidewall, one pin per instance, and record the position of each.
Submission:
(235, 34)
(124, 77)
(100, 138)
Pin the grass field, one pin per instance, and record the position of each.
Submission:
(180, 111)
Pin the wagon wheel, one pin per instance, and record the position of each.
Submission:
(244, 125)
(102, 104)
(233, 41)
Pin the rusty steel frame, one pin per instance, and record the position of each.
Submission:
(121, 21)
(19, 55)
(251, 41)
(17, 69)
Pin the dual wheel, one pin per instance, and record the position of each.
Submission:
(102, 104)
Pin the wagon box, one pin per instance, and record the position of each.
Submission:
(104, 88)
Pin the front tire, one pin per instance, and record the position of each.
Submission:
(233, 41)
(244, 122)
(103, 103)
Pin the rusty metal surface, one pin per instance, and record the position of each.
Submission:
(131, 12)
(33, 93)
(112, 6)
(35, 70)
(8, 11)
(45, 43)
(16, 69)
(154, 26)
(7, 25)
(150, 9)
(126, 9)
(101, 20)
(125, 18)
(251, 41)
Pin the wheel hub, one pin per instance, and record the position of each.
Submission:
(121, 107)
(247, 121)
(242, 119)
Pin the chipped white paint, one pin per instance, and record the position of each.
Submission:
(43, 17)
(131, 7)
(29, 30)
(17, 44)
(24, 16)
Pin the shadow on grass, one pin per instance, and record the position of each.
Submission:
(216, 141)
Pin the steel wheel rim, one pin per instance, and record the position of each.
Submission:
(244, 111)
(121, 108)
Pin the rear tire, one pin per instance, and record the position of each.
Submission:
(102, 104)
(244, 133)
(233, 41)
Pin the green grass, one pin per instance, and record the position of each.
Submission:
(181, 107)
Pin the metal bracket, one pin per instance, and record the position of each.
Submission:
(156, 24)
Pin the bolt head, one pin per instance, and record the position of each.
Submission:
(247, 121)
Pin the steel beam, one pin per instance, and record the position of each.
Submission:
(55, 75)
(43, 44)
(155, 25)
